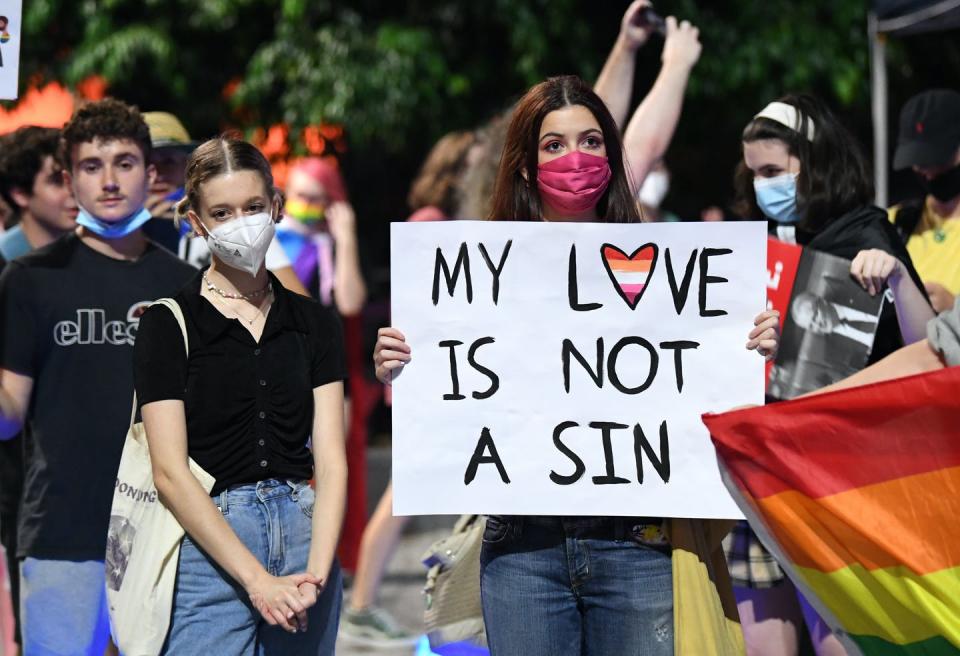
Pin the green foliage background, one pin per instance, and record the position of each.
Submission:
(398, 75)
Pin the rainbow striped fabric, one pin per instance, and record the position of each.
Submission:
(857, 493)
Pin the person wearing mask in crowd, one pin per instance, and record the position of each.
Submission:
(929, 144)
(67, 381)
(653, 190)
(320, 237)
(260, 388)
(651, 127)
(805, 173)
(172, 146)
(433, 197)
(31, 181)
(559, 131)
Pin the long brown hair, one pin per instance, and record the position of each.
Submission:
(516, 198)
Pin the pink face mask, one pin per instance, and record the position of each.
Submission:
(575, 182)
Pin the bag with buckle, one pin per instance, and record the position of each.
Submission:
(452, 592)
(143, 542)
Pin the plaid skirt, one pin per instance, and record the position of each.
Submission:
(751, 565)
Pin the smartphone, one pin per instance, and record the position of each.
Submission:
(647, 17)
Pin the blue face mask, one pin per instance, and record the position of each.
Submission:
(777, 197)
(116, 229)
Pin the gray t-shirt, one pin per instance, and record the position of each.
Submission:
(944, 335)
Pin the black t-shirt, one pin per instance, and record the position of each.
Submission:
(11, 468)
(249, 405)
(68, 319)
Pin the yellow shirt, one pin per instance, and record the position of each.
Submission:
(934, 248)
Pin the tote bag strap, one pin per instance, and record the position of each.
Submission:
(174, 307)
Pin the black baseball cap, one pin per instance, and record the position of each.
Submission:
(929, 129)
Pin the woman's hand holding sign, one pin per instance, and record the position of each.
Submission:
(765, 337)
(390, 354)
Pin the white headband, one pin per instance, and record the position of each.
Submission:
(787, 115)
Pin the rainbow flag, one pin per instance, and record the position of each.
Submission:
(857, 493)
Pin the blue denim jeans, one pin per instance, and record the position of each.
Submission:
(212, 613)
(574, 587)
(63, 607)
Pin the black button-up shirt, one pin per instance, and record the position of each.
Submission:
(249, 405)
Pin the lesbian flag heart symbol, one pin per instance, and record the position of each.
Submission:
(630, 273)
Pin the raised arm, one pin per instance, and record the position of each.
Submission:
(278, 599)
(651, 128)
(15, 391)
(349, 290)
(615, 84)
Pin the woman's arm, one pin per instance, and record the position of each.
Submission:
(651, 128)
(917, 358)
(349, 290)
(615, 84)
(330, 466)
(276, 598)
(873, 268)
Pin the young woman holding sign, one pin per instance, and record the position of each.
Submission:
(570, 585)
(263, 376)
(804, 172)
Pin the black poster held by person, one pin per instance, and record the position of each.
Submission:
(829, 327)
(561, 362)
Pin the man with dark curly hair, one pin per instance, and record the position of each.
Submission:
(31, 183)
(68, 317)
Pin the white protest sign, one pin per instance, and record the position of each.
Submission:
(10, 30)
(561, 369)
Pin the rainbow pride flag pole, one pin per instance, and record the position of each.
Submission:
(857, 494)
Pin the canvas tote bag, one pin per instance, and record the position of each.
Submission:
(452, 593)
(143, 542)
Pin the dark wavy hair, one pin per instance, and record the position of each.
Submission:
(21, 158)
(108, 119)
(518, 199)
(834, 177)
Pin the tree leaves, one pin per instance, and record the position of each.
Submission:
(118, 50)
